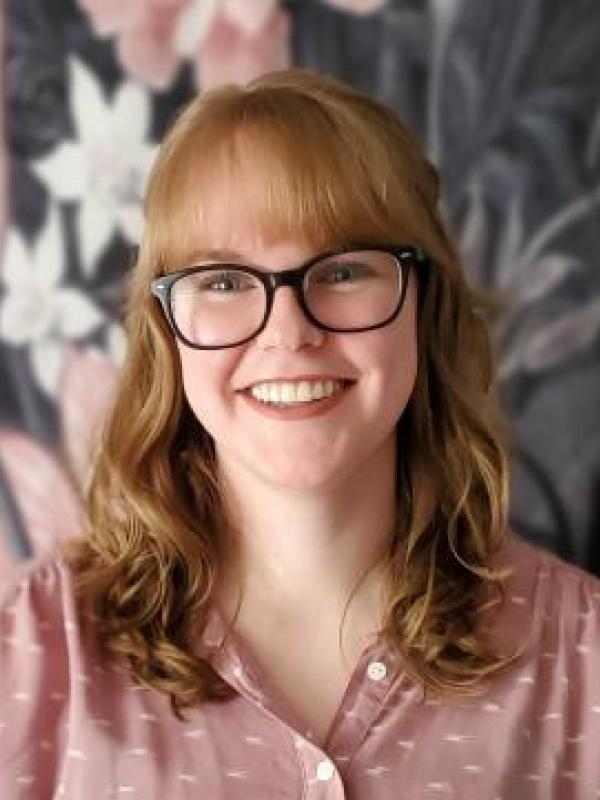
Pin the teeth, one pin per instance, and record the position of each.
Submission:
(299, 392)
(303, 392)
(288, 393)
(274, 393)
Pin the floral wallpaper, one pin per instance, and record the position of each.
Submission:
(506, 98)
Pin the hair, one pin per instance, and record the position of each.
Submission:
(323, 162)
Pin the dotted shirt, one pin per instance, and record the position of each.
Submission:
(73, 726)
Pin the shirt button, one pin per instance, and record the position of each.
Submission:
(377, 670)
(325, 770)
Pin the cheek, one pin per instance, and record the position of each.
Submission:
(391, 359)
(398, 374)
(206, 376)
(404, 351)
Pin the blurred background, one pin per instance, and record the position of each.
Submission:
(505, 95)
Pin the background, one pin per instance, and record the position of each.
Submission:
(505, 94)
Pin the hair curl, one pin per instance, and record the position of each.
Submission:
(327, 164)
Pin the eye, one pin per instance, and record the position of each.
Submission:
(224, 281)
(340, 272)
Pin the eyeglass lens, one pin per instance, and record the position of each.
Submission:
(347, 291)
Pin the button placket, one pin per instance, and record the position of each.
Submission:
(377, 671)
(325, 770)
(364, 704)
(322, 775)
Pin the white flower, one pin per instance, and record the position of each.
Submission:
(36, 309)
(106, 167)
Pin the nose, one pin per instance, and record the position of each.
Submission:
(288, 327)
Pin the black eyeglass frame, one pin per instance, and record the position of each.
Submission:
(406, 256)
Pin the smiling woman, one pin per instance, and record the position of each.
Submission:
(297, 517)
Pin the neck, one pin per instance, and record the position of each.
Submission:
(295, 553)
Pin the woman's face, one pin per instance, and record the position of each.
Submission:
(317, 444)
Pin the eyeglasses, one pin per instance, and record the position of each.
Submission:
(217, 305)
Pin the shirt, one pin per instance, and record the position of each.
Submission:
(73, 726)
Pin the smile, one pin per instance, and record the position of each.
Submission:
(294, 392)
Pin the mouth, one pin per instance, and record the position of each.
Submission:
(290, 394)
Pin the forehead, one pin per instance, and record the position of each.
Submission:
(225, 226)
(251, 192)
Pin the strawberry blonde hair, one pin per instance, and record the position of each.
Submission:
(324, 163)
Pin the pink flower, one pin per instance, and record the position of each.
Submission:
(145, 32)
(236, 52)
(46, 500)
(46, 491)
(83, 411)
(358, 6)
(6, 557)
(111, 16)
(248, 17)
(3, 159)
(227, 40)
(148, 52)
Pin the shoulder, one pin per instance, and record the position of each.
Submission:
(549, 605)
(37, 631)
(39, 589)
(37, 610)
(538, 572)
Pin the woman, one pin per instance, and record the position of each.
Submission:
(297, 580)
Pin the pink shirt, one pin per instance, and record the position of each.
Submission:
(74, 727)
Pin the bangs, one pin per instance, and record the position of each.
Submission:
(280, 166)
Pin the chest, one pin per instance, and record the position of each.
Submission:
(312, 684)
(307, 675)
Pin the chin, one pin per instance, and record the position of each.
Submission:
(310, 479)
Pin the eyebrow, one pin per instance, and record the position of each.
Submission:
(215, 255)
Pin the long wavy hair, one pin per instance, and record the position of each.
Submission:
(320, 162)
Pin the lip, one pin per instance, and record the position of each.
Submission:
(302, 410)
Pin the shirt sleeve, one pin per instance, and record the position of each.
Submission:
(577, 628)
(570, 651)
(34, 679)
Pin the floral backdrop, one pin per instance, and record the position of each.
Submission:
(504, 94)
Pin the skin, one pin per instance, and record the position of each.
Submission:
(312, 501)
